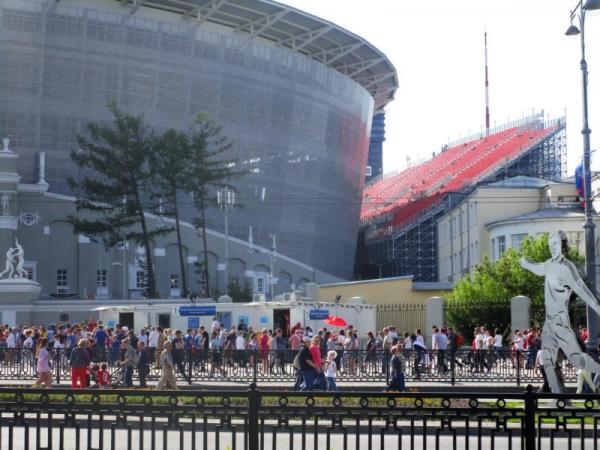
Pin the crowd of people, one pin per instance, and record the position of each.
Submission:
(91, 350)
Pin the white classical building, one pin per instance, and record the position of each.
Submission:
(497, 216)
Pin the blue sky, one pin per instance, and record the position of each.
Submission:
(437, 48)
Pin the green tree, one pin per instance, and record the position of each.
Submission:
(484, 297)
(210, 169)
(239, 293)
(117, 180)
(169, 162)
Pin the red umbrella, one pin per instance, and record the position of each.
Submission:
(335, 321)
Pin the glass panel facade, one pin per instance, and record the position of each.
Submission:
(304, 127)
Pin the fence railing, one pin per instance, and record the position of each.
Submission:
(258, 419)
(483, 366)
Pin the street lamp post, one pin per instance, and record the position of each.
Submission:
(270, 254)
(226, 201)
(590, 254)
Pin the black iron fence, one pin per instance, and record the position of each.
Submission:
(253, 419)
(483, 366)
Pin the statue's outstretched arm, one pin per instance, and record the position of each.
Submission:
(537, 268)
(582, 290)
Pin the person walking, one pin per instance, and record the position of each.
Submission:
(397, 367)
(143, 363)
(308, 368)
(44, 368)
(128, 362)
(78, 363)
(167, 378)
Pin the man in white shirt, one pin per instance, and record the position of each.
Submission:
(442, 347)
(153, 338)
(11, 340)
(240, 349)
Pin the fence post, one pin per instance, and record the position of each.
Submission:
(529, 418)
(254, 401)
(518, 367)
(190, 365)
(57, 367)
(386, 366)
(255, 368)
(452, 366)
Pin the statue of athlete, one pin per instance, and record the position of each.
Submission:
(562, 278)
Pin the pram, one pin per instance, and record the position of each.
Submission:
(117, 378)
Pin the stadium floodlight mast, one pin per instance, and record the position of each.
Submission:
(590, 254)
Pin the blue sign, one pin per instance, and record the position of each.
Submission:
(198, 310)
(193, 322)
(264, 319)
(318, 314)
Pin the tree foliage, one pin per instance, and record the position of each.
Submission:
(170, 167)
(484, 297)
(128, 171)
(209, 170)
(239, 293)
(116, 182)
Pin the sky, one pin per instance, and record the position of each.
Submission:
(437, 47)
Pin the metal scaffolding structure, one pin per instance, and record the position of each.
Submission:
(413, 249)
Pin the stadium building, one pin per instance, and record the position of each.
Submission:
(400, 212)
(295, 93)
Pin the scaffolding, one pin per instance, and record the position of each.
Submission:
(413, 249)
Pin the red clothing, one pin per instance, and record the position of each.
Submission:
(295, 342)
(264, 342)
(315, 351)
(79, 375)
(584, 336)
(103, 377)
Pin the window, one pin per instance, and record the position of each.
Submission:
(260, 284)
(140, 279)
(61, 278)
(517, 240)
(493, 249)
(501, 243)
(174, 281)
(101, 278)
(369, 171)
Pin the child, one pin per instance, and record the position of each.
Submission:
(103, 376)
(330, 370)
(397, 370)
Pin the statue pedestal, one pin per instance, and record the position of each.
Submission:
(18, 291)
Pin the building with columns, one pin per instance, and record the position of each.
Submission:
(498, 216)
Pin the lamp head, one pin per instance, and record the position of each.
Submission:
(572, 31)
(591, 5)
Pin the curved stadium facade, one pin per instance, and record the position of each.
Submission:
(296, 94)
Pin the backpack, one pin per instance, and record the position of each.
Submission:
(296, 363)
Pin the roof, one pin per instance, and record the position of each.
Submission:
(543, 214)
(520, 182)
(296, 30)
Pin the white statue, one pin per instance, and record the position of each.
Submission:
(10, 264)
(17, 253)
(20, 255)
(561, 279)
(5, 202)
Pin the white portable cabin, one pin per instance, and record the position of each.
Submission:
(259, 315)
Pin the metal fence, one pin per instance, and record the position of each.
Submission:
(482, 366)
(406, 316)
(253, 419)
